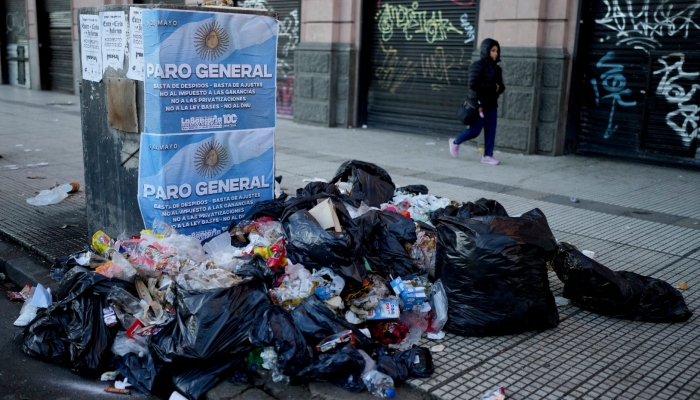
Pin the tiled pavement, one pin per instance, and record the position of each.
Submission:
(636, 217)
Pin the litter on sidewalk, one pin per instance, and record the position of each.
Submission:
(340, 284)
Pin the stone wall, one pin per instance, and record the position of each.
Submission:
(324, 83)
(532, 110)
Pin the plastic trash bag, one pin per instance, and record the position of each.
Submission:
(622, 294)
(385, 235)
(395, 367)
(494, 273)
(413, 189)
(438, 307)
(275, 327)
(419, 362)
(51, 196)
(215, 322)
(72, 330)
(314, 188)
(370, 183)
(267, 208)
(315, 248)
(194, 378)
(140, 369)
(343, 367)
(316, 321)
(481, 208)
(61, 265)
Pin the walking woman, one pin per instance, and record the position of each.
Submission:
(485, 85)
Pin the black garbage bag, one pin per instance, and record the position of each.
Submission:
(213, 322)
(384, 236)
(316, 321)
(418, 360)
(621, 294)
(314, 188)
(194, 378)
(343, 367)
(142, 371)
(267, 208)
(370, 183)
(256, 266)
(315, 248)
(413, 189)
(480, 208)
(61, 265)
(494, 272)
(396, 368)
(71, 331)
(275, 327)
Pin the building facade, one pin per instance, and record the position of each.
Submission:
(607, 77)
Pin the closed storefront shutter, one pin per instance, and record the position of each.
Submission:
(289, 22)
(418, 63)
(61, 45)
(637, 89)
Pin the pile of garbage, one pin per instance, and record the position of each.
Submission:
(339, 283)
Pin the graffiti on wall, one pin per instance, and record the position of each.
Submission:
(289, 33)
(641, 26)
(614, 82)
(683, 120)
(393, 71)
(431, 24)
(469, 31)
(16, 24)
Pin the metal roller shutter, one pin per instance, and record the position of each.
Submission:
(639, 63)
(15, 21)
(419, 61)
(56, 45)
(289, 21)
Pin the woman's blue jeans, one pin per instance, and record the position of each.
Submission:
(489, 125)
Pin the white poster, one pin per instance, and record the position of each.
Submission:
(90, 47)
(113, 39)
(135, 45)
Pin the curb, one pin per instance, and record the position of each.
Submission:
(21, 268)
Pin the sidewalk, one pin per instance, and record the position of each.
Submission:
(635, 217)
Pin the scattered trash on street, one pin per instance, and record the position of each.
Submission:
(339, 284)
(55, 195)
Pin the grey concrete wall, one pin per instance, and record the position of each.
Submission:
(532, 111)
(324, 84)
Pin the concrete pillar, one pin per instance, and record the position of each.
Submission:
(326, 63)
(33, 46)
(537, 40)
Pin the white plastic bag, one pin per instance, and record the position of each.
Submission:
(47, 197)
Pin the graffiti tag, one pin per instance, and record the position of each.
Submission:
(641, 27)
(468, 28)
(615, 83)
(437, 66)
(411, 21)
(675, 93)
(393, 71)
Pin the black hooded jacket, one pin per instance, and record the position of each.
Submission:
(483, 77)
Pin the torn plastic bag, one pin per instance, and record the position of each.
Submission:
(314, 188)
(494, 273)
(622, 294)
(418, 360)
(316, 321)
(343, 367)
(72, 331)
(413, 189)
(370, 183)
(214, 321)
(256, 266)
(194, 378)
(385, 235)
(312, 246)
(275, 327)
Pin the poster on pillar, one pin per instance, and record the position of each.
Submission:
(200, 183)
(209, 71)
(207, 150)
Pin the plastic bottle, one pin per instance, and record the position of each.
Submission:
(379, 384)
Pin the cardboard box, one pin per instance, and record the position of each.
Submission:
(398, 286)
(386, 309)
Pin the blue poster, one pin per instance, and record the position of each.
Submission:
(208, 71)
(207, 150)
